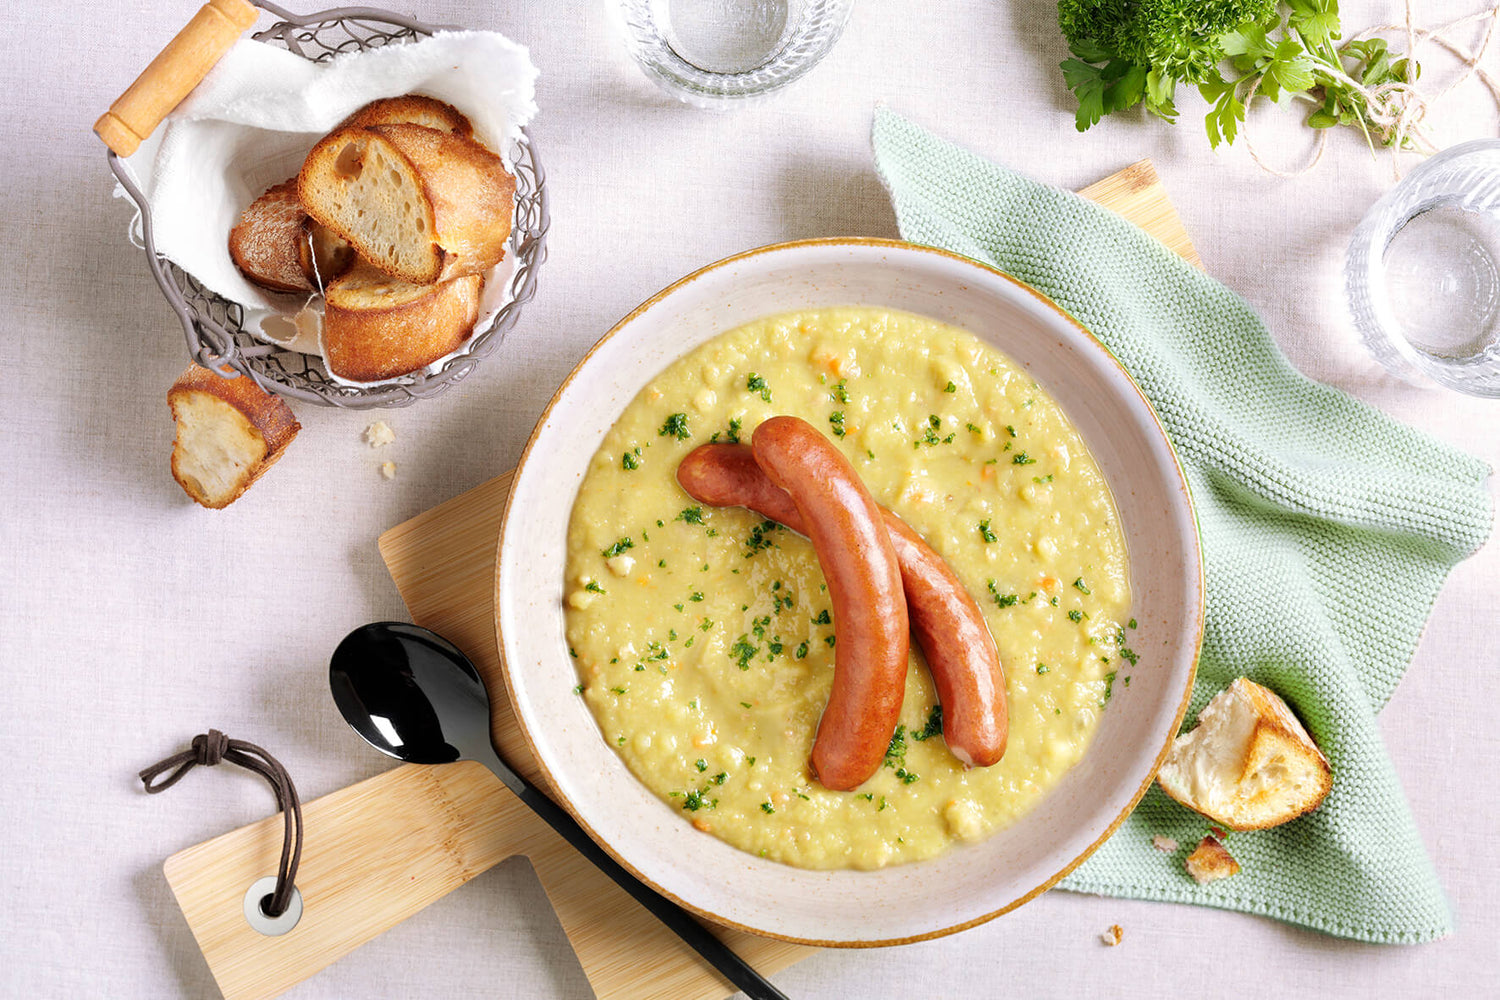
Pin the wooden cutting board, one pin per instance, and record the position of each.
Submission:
(379, 851)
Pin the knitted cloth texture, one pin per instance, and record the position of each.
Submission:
(1327, 529)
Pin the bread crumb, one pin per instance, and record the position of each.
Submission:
(1113, 936)
(1164, 844)
(1211, 861)
(388, 470)
(379, 434)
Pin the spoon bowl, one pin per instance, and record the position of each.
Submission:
(411, 694)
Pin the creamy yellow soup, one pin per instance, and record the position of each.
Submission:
(704, 636)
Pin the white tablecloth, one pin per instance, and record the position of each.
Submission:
(133, 619)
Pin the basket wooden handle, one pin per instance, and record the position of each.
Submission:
(175, 71)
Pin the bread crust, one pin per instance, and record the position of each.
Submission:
(377, 328)
(414, 109)
(267, 416)
(265, 243)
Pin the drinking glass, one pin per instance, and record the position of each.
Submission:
(721, 53)
(1423, 272)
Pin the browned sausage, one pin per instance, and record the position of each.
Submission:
(949, 626)
(864, 586)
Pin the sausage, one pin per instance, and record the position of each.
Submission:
(864, 585)
(947, 622)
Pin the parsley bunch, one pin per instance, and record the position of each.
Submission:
(1129, 52)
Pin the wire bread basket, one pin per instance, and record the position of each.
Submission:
(214, 326)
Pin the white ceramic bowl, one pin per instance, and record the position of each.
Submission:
(969, 884)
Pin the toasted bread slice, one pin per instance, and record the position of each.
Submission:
(265, 243)
(1210, 861)
(420, 204)
(1248, 764)
(376, 327)
(412, 109)
(229, 432)
(278, 247)
(325, 256)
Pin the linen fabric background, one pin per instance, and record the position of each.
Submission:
(134, 620)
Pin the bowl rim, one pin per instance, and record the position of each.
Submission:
(1197, 558)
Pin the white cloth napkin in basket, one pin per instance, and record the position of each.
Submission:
(251, 121)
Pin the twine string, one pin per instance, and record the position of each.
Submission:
(209, 749)
(1396, 110)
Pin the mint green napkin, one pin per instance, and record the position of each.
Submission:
(1327, 529)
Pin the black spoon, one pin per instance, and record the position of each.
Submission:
(415, 696)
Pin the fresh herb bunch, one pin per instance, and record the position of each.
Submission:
(1133, 51)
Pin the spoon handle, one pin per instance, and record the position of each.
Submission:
(719, 955)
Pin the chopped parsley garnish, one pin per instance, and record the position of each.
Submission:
(839, 394)
(823, 618)
(618, 547)
(1042, 668)
(694, 801)
(1081, 587)
(895, 751)
(573, 652)
(758, 385)
(767, 808)
(1010, 429)
(744, 704)
(973, 429)
(578, 689)
(593, 587)
(1004, 600)
(758, 626)
(934, 726)
(1131, 623)
(706, 624)
(985, 532)
(701, 765)
(774, 648)
(760, 537)
(675, 426)
(836, 420)
(1130, 655)
(867, 796)
(742, 652)
(802, 650)
(1075, 615)
(1021, 458)
(618, 690)
(696, 596)
(950, 387)
(749, 761)
(906, 776)
(733, 437)
(631, 459)
(1042, 480)
(1109, 687)
(831, 640)
(718, 779)
(691, 515)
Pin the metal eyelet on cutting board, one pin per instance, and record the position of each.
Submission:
(260, 890)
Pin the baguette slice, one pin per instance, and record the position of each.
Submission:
(229, 432)
(324, 255)
(376, 327)
(265, 243)
(412, 109)
(278, 247)
(420, 204)
(1248, 764)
